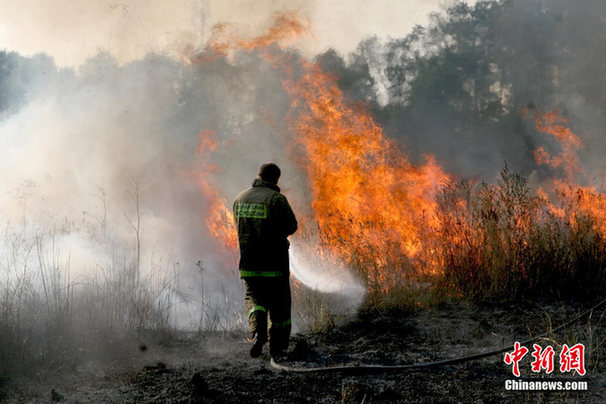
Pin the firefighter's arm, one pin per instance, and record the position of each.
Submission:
(285, 215)
(234, 209)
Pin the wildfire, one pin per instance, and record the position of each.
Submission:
(370, 204)
(574, 197)
(371, 208)
(552, 123)
(219, 219)
(286, 27)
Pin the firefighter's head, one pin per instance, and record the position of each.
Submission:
(269, 172)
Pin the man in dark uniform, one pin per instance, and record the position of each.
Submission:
(264, 220)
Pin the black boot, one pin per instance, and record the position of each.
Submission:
(279, 335)
(276, 352)
(257, 348)
(278, 343)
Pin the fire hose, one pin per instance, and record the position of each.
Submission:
(363, 368)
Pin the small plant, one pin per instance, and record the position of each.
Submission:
(315, 311)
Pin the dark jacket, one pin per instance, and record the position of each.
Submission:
(264, 220)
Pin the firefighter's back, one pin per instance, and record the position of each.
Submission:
(263, 247)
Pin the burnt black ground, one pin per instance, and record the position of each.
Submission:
(215, 368)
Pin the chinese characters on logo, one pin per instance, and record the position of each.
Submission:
(571, 358)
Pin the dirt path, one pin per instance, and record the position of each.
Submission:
(216, 368)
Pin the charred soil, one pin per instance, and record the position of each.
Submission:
(215, 368)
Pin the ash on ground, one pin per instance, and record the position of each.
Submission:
(215, 368)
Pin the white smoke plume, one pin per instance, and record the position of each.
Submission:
(128, 30)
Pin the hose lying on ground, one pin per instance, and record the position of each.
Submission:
(384, 368)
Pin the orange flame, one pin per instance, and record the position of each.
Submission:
(574, 197)
(371, 206)
(370, 203)
(593, 203)
(219, 220)
(286, 27)
(552, 123)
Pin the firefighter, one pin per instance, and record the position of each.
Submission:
(264, 220)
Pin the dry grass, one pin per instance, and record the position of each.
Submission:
(493, 243)
(312, 310)
(497, 242)
(50, 320)
(502, 242)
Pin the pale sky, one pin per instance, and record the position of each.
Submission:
(73, 30)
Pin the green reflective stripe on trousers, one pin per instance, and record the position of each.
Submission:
(282, 324)
(260, 274)
(256, 308)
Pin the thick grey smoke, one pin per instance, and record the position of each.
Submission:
(455, 88)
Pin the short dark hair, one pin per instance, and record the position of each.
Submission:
(270, 172)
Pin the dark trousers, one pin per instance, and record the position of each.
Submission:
(269, 296)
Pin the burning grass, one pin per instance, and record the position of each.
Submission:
(502, 241)
(407, 228)
(413, 232)
(402, 226)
